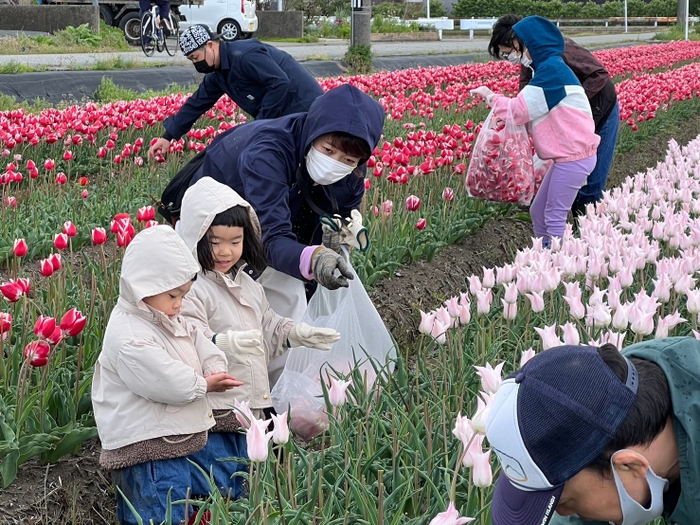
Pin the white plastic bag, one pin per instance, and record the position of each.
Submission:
(363, 339)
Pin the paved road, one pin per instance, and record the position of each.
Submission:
(318, 51)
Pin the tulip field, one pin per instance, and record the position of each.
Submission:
(75, 187)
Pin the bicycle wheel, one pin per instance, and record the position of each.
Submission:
(172, 41)
(159, 39)
(147, 34)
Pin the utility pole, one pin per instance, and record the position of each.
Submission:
(360, 23)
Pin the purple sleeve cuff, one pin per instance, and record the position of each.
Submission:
(305, 262)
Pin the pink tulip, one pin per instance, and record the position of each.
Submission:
(667, 324)
(571, 336)
(426, 322)
(536, 301)
(464, 314)
(280, 430)
(452, 305)
(476, 443)
(439, 331)
(257, 440)
(483, 302)
(549, 337)
(620, 320)
(450, 517)
(526, 356)
(481, 416)
(510, 292)
(510, 310)
(490, 376)
(474, 284)
(387, 208)
(421, 224)
(463, 430)
(643, 323)
(49, 164)
(337, 393)
(243, 413)
(448, 194)
(576, 308)
(489, 280)
(600, 315)
(483, 476)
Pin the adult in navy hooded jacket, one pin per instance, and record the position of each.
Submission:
(265, 162)
(262, 80)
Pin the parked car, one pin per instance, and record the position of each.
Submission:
(233, 19)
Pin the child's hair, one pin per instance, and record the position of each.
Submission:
(253, 253)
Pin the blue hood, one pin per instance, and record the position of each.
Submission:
(346, 109)
(541, 38)
(546, 44)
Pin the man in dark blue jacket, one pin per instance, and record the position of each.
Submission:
(292, 170)
(262, 80)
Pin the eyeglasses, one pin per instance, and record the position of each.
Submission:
(505, 55)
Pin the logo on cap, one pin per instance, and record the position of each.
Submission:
(511, 467)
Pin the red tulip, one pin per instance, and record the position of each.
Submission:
(49, 164)
(24, 285)
(37, 353)
(412, 203)
(67, 155)
(12, 202)
(101, 153)
(421, 224)
(55, 260)
(70, 229)
(5, 324)
(150, 224)
(84, 194)
(109, 145)
(34, 173)
(99, 236)
(46, 268)
(146, 213)
(448, 194)
(12, 290)
(73, 322)
(31, 165)
(84, 181)
(61, 178)
(124, 238)
(60, 241)
(56, 336)
(19, 249)
(44, 326)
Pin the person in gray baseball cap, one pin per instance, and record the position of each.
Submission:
(262, 80)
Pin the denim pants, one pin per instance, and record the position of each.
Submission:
(593, 190)
(146, 485)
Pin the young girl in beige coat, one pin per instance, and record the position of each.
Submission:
(150, 384)
(222, 230)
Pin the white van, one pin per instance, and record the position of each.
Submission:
(233, 19)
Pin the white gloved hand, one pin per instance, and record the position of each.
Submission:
(237, 342)
(349, 232)
(484, 92)
(312, 337)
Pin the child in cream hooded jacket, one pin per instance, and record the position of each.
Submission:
(229, 304)
(150, 384)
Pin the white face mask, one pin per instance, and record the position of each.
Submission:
(527, 62)
(325, 170)
(514, 57)
(632, 512)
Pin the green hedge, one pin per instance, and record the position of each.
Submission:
(559, 9)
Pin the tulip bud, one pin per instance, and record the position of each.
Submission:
(5, 324)
(412, 203)
(73, 322)
(98, 236)
(123, 239)
(11, 290)
(46, 268)
(257, 440)
(84, 181)
(337, 393)
(101, 153)
(68, 155)
(55, 260)
(19, 248)
(483, 476)
(448, 194)
(426, 322)
(12, 202)
(84, 194)
(280, 431)
(526, 356)
(44, 326)
(49, 165)
(23, 285)
(150, 224)
(69, 229)
(421, 224)
(146, 213)
(61, 178)
(491, 378)
(60, 241)
(37, 353)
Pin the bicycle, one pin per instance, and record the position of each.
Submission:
(152, 29)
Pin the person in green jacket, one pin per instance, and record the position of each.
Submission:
(589, 435)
